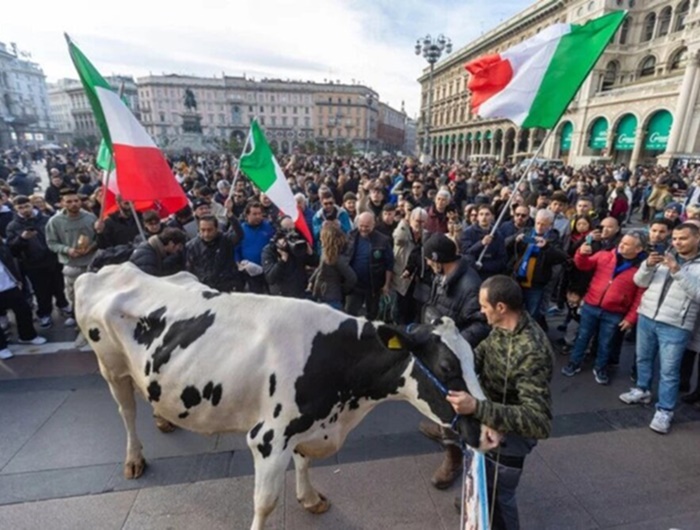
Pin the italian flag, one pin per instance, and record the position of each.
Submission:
(260, 165)
(533, 82)
(142, 174)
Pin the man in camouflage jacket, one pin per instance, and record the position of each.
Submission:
(514, 364)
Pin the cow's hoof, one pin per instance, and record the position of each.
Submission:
(134, 469)
(322, 506)
(164, 425)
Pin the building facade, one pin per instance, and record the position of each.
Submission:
(70, 110)
(391, 130)
(293, 114)
(639, 105)
(24, 103)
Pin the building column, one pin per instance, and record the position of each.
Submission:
(492, 147)
(682, 115)
(503, 148)
(531, 141)
(638, 145)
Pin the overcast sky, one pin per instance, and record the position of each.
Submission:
(370, 41)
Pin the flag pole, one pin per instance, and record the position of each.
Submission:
(238, 165)
(517, 185)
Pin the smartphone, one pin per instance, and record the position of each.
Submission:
(589, 239)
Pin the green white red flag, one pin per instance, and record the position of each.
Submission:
(142, 174)
(533, 82)
(260, 165)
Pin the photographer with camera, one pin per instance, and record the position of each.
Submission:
(284, 261)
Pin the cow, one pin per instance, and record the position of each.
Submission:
(296, 376)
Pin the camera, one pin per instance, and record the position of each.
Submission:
(293, 243)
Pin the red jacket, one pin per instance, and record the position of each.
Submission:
(618, 294)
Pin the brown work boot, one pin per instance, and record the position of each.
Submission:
(432, 430)
(449, 469)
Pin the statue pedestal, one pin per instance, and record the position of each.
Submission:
(191, 122)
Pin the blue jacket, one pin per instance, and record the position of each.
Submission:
(342, 217)
(255, 238)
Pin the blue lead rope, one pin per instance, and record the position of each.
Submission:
(438, 384)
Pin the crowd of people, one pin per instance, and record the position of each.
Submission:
(612, 252)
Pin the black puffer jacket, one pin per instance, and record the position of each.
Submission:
(286, 278)
(457, 296)
(118, 231)
(213, 262)
(32, 253)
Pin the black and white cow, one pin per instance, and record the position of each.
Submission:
(294, 375)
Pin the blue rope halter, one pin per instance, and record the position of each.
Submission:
(433, 378)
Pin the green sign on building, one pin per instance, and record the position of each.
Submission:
(624, 135)
(599, 134)
(658, 131)
(567, 132)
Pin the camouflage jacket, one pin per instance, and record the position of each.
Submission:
(526, 410)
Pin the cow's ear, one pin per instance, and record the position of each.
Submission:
(394, 337)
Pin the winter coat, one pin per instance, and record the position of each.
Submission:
(32, 253)
(381, 257)
(330, 282)
(495, 258)
(680, 304)
(618, 294)
(255, 238)
(457, 296)
(551, 254)
(151, 258)
(213, 262)
(404, 245)
(22, 184)
(285, 278)
(118, 230)
(436, 222)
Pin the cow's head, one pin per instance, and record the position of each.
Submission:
(449, 358)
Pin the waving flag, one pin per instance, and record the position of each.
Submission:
(143, 174)
(262, 168)
(533, 82)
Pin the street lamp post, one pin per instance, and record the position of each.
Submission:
(431, 49)
(370, 99)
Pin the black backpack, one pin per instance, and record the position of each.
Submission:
(111, 256)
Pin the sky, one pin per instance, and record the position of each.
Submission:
(365, 41)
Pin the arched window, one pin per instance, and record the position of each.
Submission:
(648, 66)
(681, 13)
(665, 20)
(610, 76)
(648, 28)
(679, 59)
(624, 30)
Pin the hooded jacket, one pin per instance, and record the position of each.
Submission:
(32, 253)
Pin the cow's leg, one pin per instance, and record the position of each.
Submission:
(309, 498)
(269, 477)
(123, 392)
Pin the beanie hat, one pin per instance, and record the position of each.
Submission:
(675, 206)
(440, 248)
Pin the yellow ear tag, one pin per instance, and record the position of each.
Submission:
(394, 343)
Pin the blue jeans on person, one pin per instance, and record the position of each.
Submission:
(595, 321)
(669, 342)
(532, 299)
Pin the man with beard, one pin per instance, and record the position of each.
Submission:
(210, 256)
(119, 228)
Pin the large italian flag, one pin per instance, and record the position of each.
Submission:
(533, 82)
(261, 166)
(142, 173)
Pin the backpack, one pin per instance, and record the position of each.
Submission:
(111, 256)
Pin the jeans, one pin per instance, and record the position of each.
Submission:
(532, 298)
(505, 510)
(362, 297)
(14, 299)
(596, 321)
(669, 343)
(48, 285)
